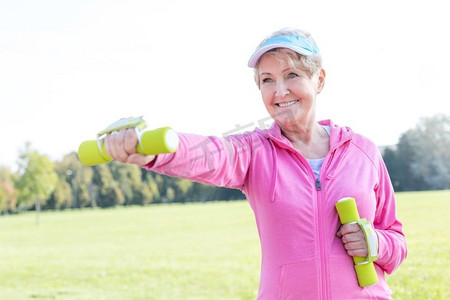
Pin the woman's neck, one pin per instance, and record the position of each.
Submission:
(311, 140)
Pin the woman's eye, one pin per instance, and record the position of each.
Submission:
(292, 75)
(266, 80)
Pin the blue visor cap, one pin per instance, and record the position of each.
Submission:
(296, 43)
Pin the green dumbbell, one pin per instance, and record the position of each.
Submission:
(365, 270)
(151, 142)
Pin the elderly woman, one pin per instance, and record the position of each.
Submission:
(292, 175)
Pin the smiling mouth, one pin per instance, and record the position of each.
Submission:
(286, 104)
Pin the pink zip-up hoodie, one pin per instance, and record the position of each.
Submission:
(295, 214)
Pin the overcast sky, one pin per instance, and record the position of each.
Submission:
(70, 68)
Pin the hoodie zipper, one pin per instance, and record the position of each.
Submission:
(323, 262)
(318, 185)
(323, 274)
(323, 277)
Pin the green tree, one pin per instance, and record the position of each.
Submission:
(37, 179)
(158, 185)
(61, 198)
(421, 160)
(150, 190)
(183, 190)
(8, 194)
(108, 192)
(129, 181)
(79, 180)
(170, 195)
(431, 141)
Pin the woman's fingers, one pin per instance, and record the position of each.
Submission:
(353, 239)
(140, 159)
(119, 143)
(130, 141)
(121, 146)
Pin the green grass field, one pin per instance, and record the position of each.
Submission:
(425, 274)
(190, 251)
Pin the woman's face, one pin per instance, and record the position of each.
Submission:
(288, 92)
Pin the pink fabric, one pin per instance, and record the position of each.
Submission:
(297, 222)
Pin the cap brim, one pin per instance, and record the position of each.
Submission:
(261, 51)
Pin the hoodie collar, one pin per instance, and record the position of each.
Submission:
(338, 135)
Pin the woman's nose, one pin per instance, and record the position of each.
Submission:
(282, 89)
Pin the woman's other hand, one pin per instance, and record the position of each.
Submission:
(353, 239)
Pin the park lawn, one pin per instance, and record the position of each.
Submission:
(193, 251)
(425, 274)
(186, 251)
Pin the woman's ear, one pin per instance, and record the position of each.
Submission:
(321, 80)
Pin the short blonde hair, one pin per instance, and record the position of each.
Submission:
(311, 63)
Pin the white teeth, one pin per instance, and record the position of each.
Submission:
(287, 103)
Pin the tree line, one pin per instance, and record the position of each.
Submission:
(421, 158)
(420, 161)
(40, 183)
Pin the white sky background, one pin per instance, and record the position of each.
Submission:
(70, 68)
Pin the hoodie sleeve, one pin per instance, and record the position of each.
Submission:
(392, 248)
(211, 160)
